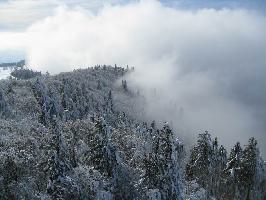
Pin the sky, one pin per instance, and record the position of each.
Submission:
(199, 64)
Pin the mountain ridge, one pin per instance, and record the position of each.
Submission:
(76, 135)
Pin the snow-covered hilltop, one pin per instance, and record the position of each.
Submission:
(73, 136)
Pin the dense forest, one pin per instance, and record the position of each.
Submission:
(73, 136)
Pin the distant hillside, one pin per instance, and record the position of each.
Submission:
(19, 64)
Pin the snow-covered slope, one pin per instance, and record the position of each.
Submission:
(4, 73)
(78, 135)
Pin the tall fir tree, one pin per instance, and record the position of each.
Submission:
(101, 157)
(232, 173)
(199, 162)
(251, 171)
(57, 164)
(161, 165)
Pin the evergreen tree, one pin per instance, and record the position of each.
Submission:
(232, 173)
(153, 125)
(122, 177)
(73, 142)
(124, 85)
(152, 173)
(220, 186)
(206, 165)
(4, 109)
(99, 85)
(10, 176)
(100, 157)
(199, 162)
(109, 103)
(40, 92)
(217, 164)
(162, 170)
(251, 168)
(57, 164)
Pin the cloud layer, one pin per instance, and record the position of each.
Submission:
(201, 69)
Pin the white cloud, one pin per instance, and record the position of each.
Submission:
(206, 65)
(18, 14)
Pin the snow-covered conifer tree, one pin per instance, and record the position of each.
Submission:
(162, 167)
(199, 162)
(4, 109)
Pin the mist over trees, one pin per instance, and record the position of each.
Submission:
(73, 136)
